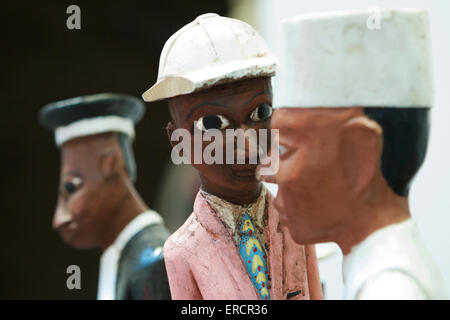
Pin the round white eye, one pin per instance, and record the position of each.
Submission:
(212, 122)
(73, 185)
(263, 112)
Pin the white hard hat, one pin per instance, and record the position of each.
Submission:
(338, 59)
(208, 51)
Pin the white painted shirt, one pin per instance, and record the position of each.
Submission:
(392, 263)
(110, 258)
(231, 214)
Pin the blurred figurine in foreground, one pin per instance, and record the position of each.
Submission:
(354, 122)
(215, 73)
(98, 205)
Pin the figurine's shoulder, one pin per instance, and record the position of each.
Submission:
(153, 235)
(397, 255)
(187, 238)
(141, 272)
(145, 248)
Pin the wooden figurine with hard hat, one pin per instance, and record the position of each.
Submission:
(215, 73)
(98, 205)
(354, 107)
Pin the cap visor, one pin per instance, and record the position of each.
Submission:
(172, 86)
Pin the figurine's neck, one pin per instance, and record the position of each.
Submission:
(393, 209)
(131, 206)
(233, 196)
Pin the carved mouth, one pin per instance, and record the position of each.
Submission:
(244, 170)
(68, 229)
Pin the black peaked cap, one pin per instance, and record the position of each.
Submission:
(64, 112)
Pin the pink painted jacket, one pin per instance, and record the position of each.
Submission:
(203, 261)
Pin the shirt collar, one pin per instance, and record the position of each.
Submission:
(134, 226)
(231, 213)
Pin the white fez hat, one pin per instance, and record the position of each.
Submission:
(209, 51)
(336, 59)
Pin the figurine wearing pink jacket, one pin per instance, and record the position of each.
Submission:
(203, 262)
(216, 73)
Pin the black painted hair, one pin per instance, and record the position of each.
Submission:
(128, 155)
(405, 139)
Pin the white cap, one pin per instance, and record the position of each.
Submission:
(348, 58)
(208, 51)
(92, 126)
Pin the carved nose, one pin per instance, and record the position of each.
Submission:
(248, 149)
(61, 216)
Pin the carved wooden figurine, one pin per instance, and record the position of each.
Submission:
(215, 73)
(98, 206)
(354, 121)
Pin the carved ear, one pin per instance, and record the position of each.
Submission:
(360, 152)
(108, 164)
(170, 128)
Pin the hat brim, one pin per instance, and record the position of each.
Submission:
(171, 86)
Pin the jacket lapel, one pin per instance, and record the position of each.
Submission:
(225, 246)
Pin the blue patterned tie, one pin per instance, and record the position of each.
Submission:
(254, 256)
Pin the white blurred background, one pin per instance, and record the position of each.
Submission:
(430, 193)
